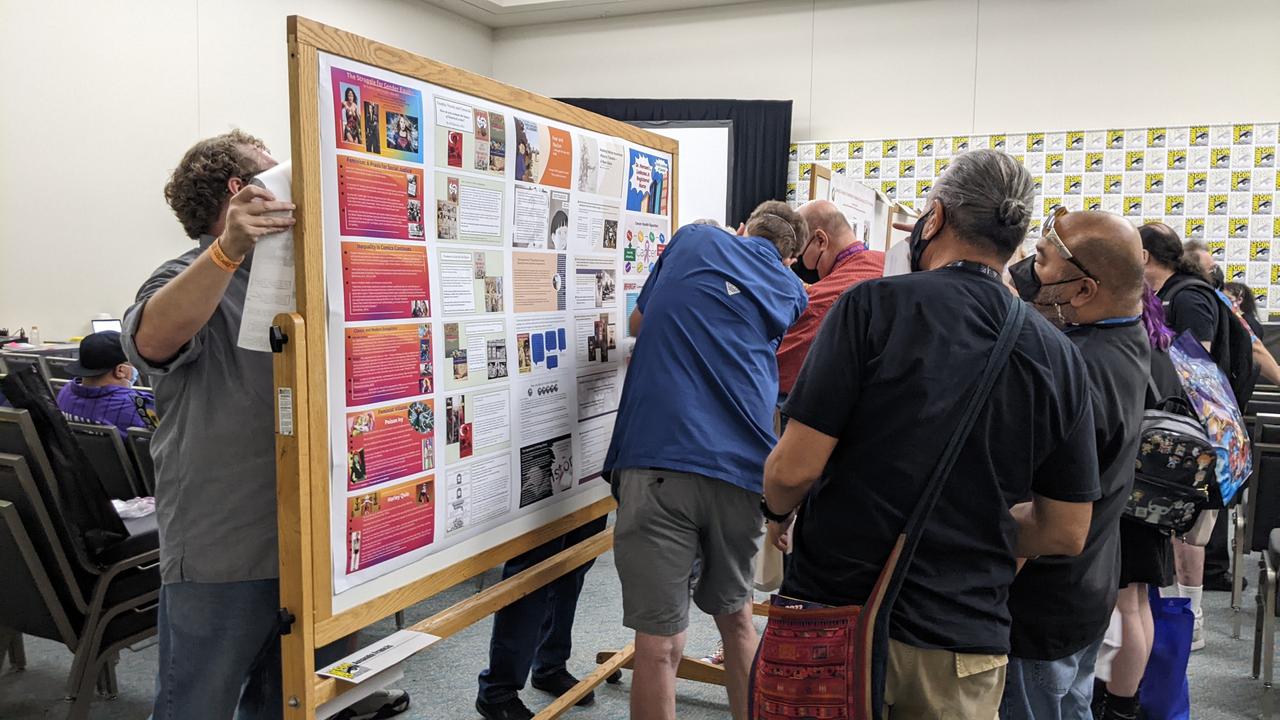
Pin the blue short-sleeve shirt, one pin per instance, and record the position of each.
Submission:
(703, 380)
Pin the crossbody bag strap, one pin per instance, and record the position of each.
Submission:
(880, 604)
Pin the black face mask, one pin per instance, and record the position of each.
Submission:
(806, 274)
(917, 242)
(1028, 284)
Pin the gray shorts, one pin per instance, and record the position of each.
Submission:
(665, 520)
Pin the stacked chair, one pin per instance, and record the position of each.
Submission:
(74, 571)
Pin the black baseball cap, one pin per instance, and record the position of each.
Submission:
(100, 353)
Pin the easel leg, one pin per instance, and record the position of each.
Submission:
(689, 668)
(588, 683)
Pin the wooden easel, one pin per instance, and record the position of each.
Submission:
(302, 442)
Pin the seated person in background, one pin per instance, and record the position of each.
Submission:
(1087, 279)
(878, 397)
(103, 391)
(687, 462)
(840, 261)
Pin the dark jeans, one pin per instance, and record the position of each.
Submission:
(220, 651)
(535, 632)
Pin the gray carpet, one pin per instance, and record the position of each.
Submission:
(442, 679)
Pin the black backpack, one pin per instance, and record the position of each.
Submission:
(1232, 344)
(1174, 475)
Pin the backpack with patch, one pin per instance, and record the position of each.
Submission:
(1174, 476)
(1232, 344)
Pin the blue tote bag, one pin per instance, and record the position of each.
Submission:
(1165, 694)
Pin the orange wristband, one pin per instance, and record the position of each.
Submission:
(221, 259)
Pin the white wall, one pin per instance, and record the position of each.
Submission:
(101, 100)
(972, 66)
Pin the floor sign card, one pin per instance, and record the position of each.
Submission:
(478, 262)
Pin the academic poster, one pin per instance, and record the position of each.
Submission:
(480, 262)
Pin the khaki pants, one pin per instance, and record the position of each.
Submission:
(939, 684)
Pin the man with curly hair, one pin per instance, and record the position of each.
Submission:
(214, 448)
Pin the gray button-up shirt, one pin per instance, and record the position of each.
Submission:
(214, 449)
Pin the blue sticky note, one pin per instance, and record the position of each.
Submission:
(551, 340)
(563, 345)
(553, 361)
(538, 354)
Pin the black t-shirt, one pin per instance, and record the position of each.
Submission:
(887, 376)
(1062, 604)
(1193, 308)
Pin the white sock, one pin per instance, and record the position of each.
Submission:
(1195, 593)
(1171, 591)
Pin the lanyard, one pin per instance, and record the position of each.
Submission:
(976, 267)
(1111, 322)
(848, 252)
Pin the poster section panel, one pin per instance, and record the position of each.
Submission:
(535, 225)
(538, 281)
(469, 209)
(470, 138)
(648, 183)
(475, 353)
(542, 344)
(541, 218)
(471, 282)
(476, 423)
(644, 238)
(546, 420)
(385, 281)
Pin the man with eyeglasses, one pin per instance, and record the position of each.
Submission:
(1086, 278)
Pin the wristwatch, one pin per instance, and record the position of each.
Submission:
(772, 516)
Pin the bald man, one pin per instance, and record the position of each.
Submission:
(841, 261)
(1086, 278)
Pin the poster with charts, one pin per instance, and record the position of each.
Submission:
(475, 322)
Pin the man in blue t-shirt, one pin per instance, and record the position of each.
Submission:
(693, 430)
(103, 389)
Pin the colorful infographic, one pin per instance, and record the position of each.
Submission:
(391, 442)
(644, 239)
(388, 362)
(379, 200)
(391, 521)
(375, 116)
(543, 154)
(384, 281)
(648, 183)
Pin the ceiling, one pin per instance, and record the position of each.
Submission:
(514, 13)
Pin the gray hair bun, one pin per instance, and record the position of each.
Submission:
(1012, 212)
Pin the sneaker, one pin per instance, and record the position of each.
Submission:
(381, 704)
(1197, 634)
(513, 709)
(559, 684)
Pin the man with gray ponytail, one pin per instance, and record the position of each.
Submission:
(880, 396)
(694, 426)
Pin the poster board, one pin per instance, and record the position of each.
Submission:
(447, 388)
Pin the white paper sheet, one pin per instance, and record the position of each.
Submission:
(382, 655)
(271, 278)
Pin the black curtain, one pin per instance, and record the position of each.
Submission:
(761, 138)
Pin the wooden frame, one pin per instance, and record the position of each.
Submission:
(815, 172)
(302, 451)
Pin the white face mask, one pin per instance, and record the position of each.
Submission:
(133, 379)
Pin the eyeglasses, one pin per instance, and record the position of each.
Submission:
(1051, 234)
